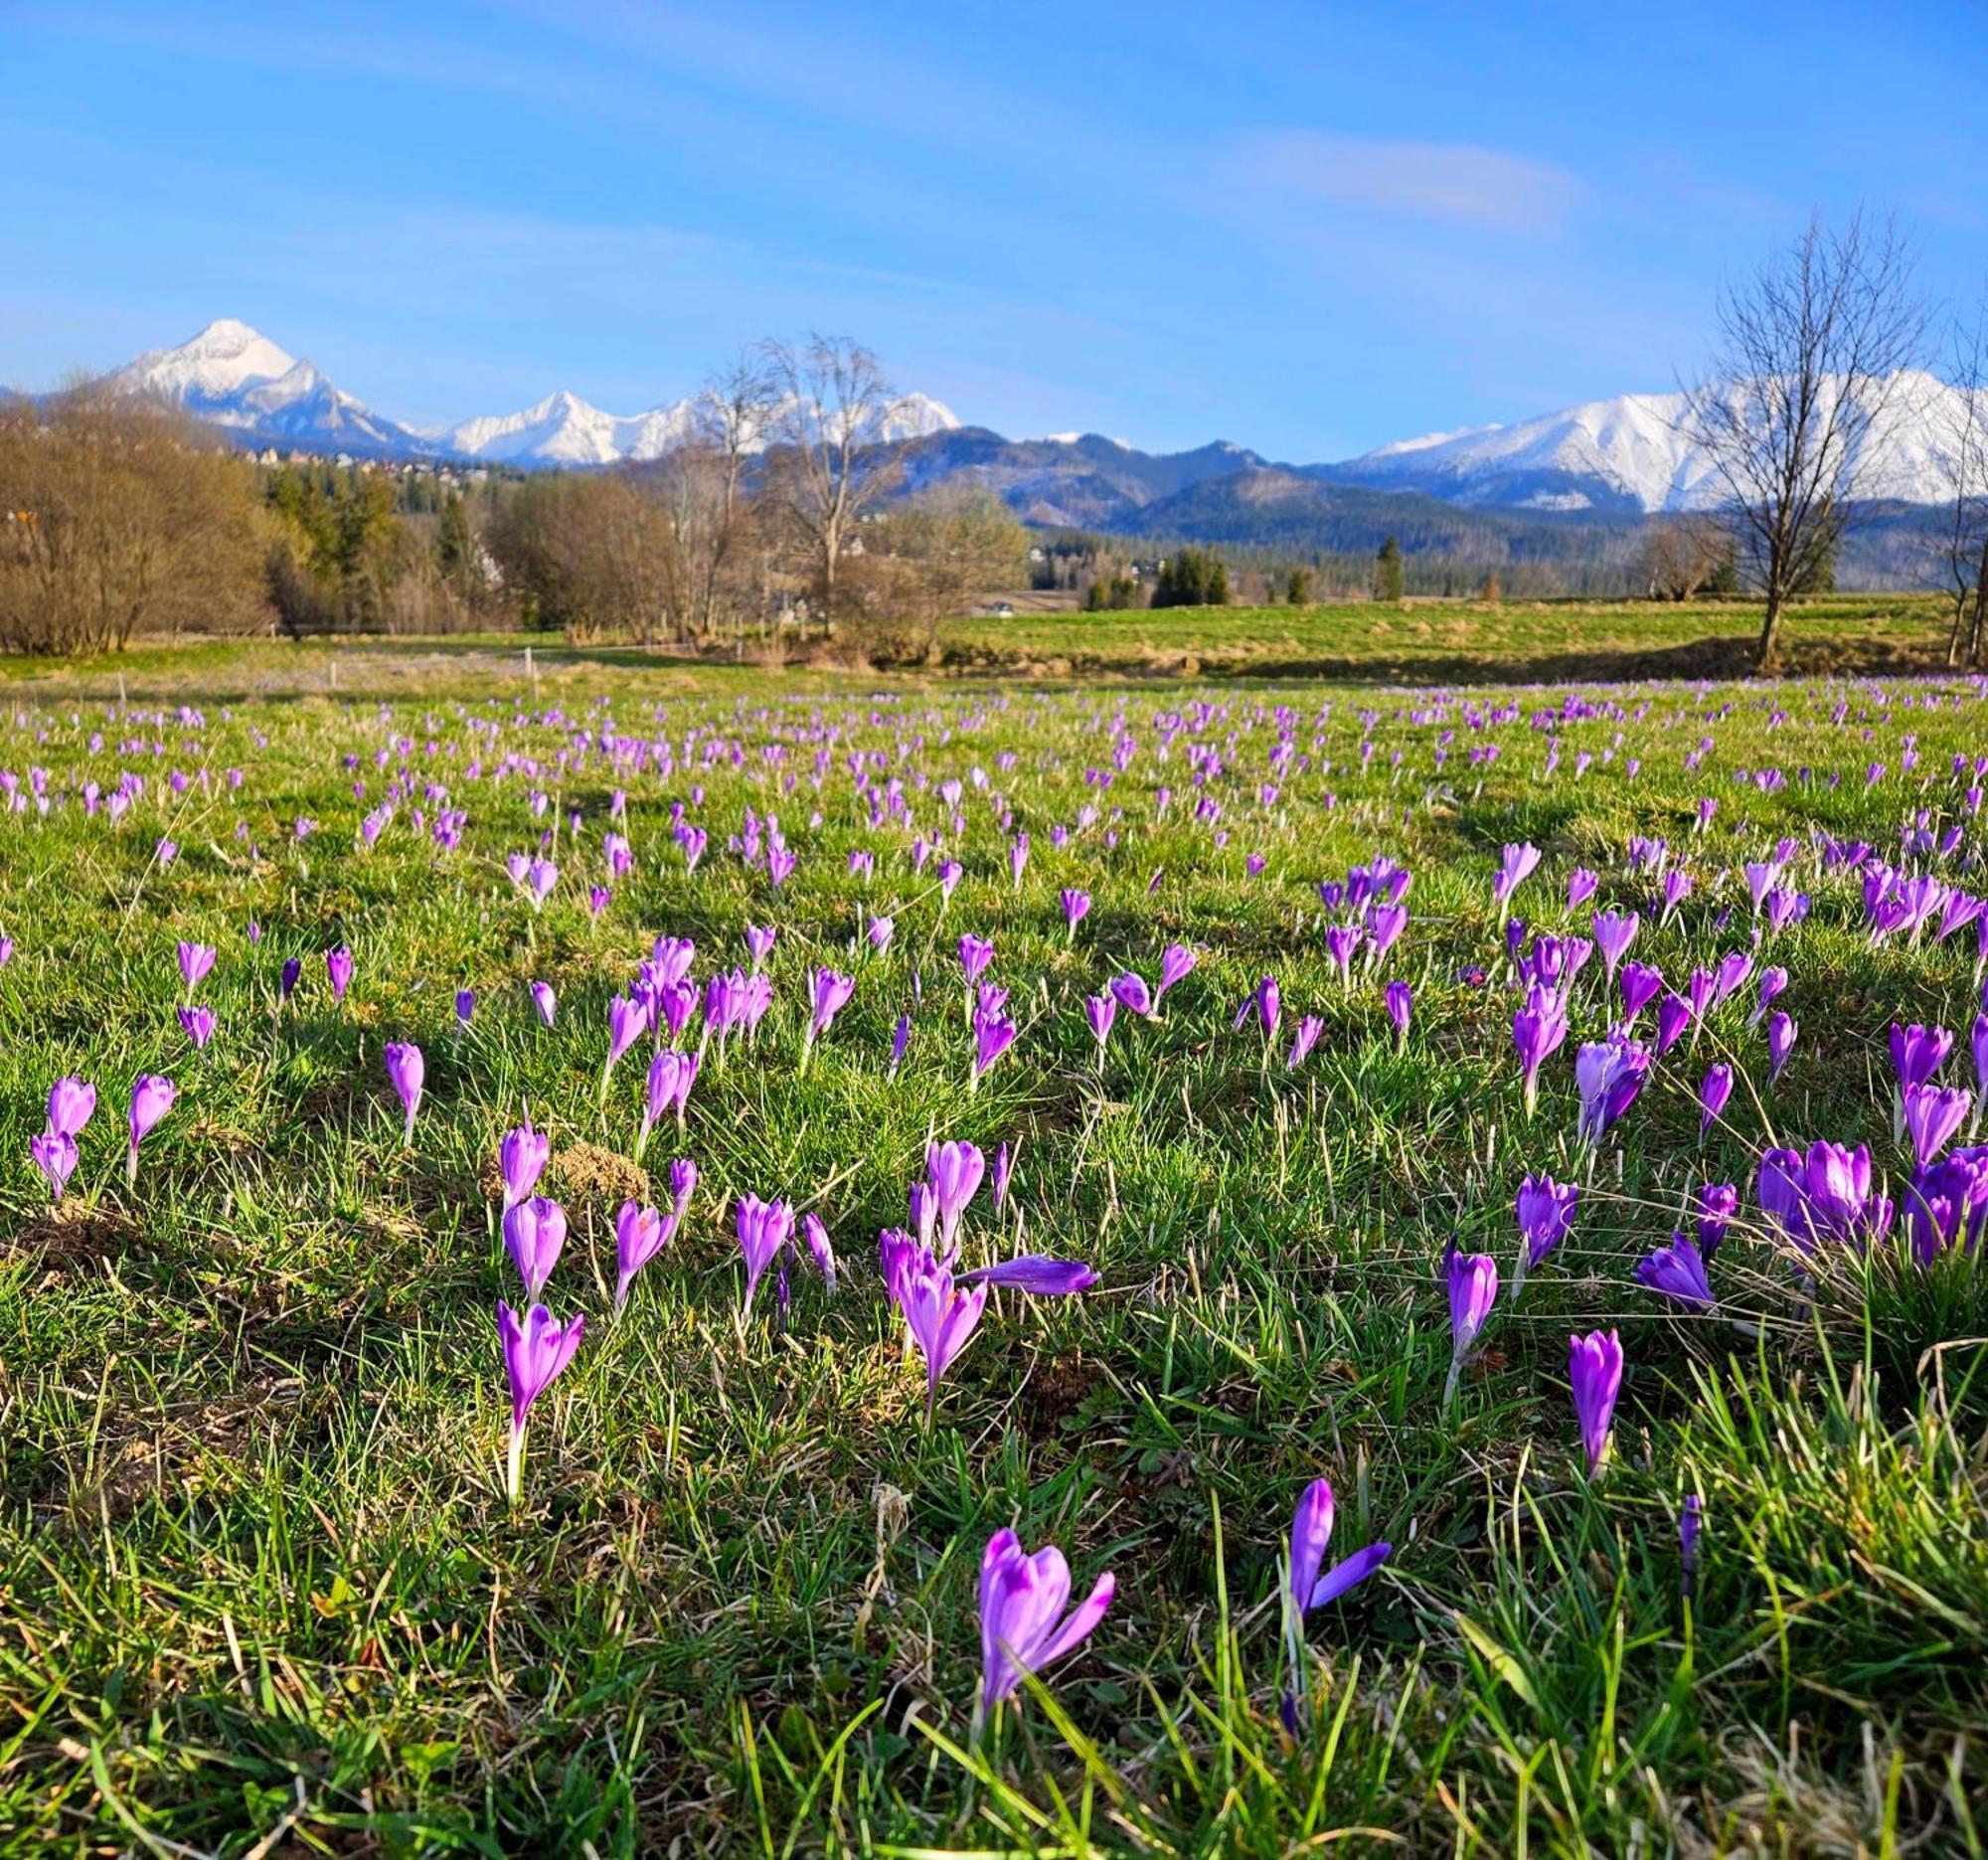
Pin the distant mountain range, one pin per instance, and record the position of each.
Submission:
(1567, 487)
(233, 377)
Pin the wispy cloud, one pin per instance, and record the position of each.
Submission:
(1452, 181)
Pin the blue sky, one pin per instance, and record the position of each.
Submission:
(1307, 228)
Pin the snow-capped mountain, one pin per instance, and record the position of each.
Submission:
(563, 429)
(1634, 454)
(235, 377)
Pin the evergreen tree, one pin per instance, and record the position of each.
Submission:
(455, 545)
(1388, 573)
(1191, 578)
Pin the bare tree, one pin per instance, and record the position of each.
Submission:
(118, 516)
(1962, 458)
(831, 459)
(1683, 552)
(706, 499)
(1808, 379)
(931, 557)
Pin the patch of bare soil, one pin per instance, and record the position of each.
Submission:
(70, 1232)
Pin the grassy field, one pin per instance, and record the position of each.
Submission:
(1460, 641)
(264, 1591)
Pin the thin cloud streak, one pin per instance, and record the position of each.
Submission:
(1456, 182)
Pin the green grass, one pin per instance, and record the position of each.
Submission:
(259, 1589)
(1460, 641)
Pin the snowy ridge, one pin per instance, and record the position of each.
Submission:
(236, 377)
(1633, 454)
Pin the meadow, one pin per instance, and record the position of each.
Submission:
(1110, 1117)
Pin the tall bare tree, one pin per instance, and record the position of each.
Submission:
(830, 458)
(1808, 379)
(1962, 456)
(702, 486)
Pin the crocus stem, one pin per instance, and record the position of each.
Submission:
(514, 1469)
(1450, 1384)
(131, 1167)
(408, 1134)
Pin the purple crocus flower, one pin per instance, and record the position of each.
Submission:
(1004, 1164)
(196, 959)
(196, 1023)
(405, 1069)
(521, 1160)
(1474, 1290)
(1717, 1202)
(1689, 1522)
(151, 1097)
(975, 953)
(1594, 1365)
(955, 1172)
(683, 1185)
(1678, 1272)
(1341, 939)
(1177, 963)
(816, 1231)
(1265, 1001)
(466, 1006)
(1772, 982)
(55, 1154)
(993, 1035)
(1538, 1029)
(1946, 1206)
(1023, 1626)
(899, 1040)
(1825, 1194)
(1035, 1272)
(1076, 907)
(1673, 1017)
(1614, 931)
(627, 1022)
(1400, 1000)
(1610, 1073)
(1311, 1533)
(287, 981)
(1100, 1010)
(830, 992)
(535, 1235)
(941, 1317)
(1781, 1031)
(764, 1228)
(1918, 1053)
(1713, 1094)
(338, 969)
(1306, 1037)
(759, 941)
(545, 1001)
(1641, 983)
(536, 1349)
(1131, 993)
(1933, 1116)
(1514, 867)
(1546, 1211)
(72, 1104)
(639, 1235)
